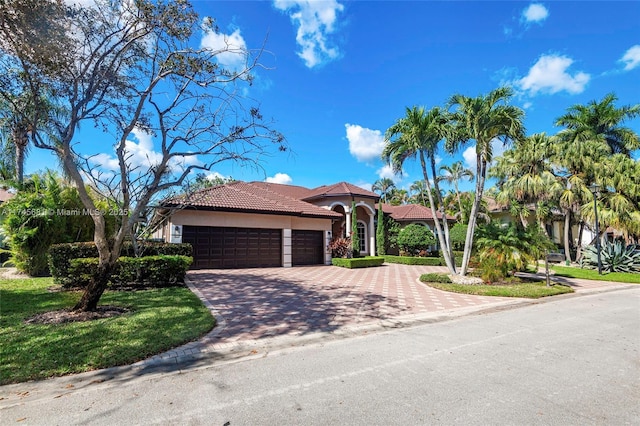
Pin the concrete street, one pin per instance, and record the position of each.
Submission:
(570, 360)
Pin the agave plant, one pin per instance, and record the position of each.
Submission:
(614, 256)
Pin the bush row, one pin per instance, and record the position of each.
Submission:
(148, 271)
(428, 261)
(360, 262)
(60, 256)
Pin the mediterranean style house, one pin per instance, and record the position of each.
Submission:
(261, 224)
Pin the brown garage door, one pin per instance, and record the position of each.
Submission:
(227, 247)
(307, 247)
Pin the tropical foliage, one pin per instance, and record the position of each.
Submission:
(505, 249)
(615, 256)
(46, 211)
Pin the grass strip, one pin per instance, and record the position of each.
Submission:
(158, 320)
(590, 274)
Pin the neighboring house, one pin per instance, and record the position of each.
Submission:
(260, 224)
(554, 226)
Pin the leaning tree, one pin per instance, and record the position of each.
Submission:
(131, 69)
(481, 121)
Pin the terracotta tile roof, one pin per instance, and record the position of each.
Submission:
(291, 191)
(250, 197)
(340, 189)
(5, 195)
(409, 212)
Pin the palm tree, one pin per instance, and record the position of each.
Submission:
(398, 197)
(417, 134)
(483, 119)
(455, 173)
(21, 117)
(583, 151)
(525, 176)
(602, 121)
(419, 193)
(384, 186)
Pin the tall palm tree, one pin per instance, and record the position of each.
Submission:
(483, 119)
(384, 186)
(418, 193)
(525, 176)
(594, 133)
(602, 121)
(454, 174)
(417, 134)
(21, 117)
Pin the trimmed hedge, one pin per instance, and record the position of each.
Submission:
(60, 256)
(360, 262)
(428, 261)
(148, 271)
(407, 260)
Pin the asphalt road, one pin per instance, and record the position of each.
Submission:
(573, 360)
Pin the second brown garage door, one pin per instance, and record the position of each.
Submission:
(307, 247)
(229, 247)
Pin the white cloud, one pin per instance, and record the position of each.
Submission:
(315, 21)
(631, 57)
(140, 157)
(549, 75)
(469, 154)
(364, 144)
(364, 185)
(232, 48)
(535, 12)
(282, 178)
(386, 171)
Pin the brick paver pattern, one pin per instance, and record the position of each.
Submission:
(256, 303)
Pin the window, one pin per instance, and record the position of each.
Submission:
(362, 236)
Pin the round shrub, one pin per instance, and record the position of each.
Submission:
(414, 239)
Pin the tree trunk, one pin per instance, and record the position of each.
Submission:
(21, 142)
(567, 229)
(523, 220)
(93, 292)
(441, 237)
(445, 225)
(579, 245)
(468, 244)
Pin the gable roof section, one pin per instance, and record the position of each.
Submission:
(291, 191)
(340, 189)
(250, 197)
(409, 212)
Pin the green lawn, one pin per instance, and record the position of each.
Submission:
(527, 290)
(158, 320)
(590, 274)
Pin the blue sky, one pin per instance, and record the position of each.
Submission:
(340, 73)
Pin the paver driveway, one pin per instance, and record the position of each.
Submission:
(257, 303)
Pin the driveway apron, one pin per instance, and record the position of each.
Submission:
(267, 302)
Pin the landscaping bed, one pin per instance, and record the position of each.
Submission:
(511, 287)
(36, 345)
